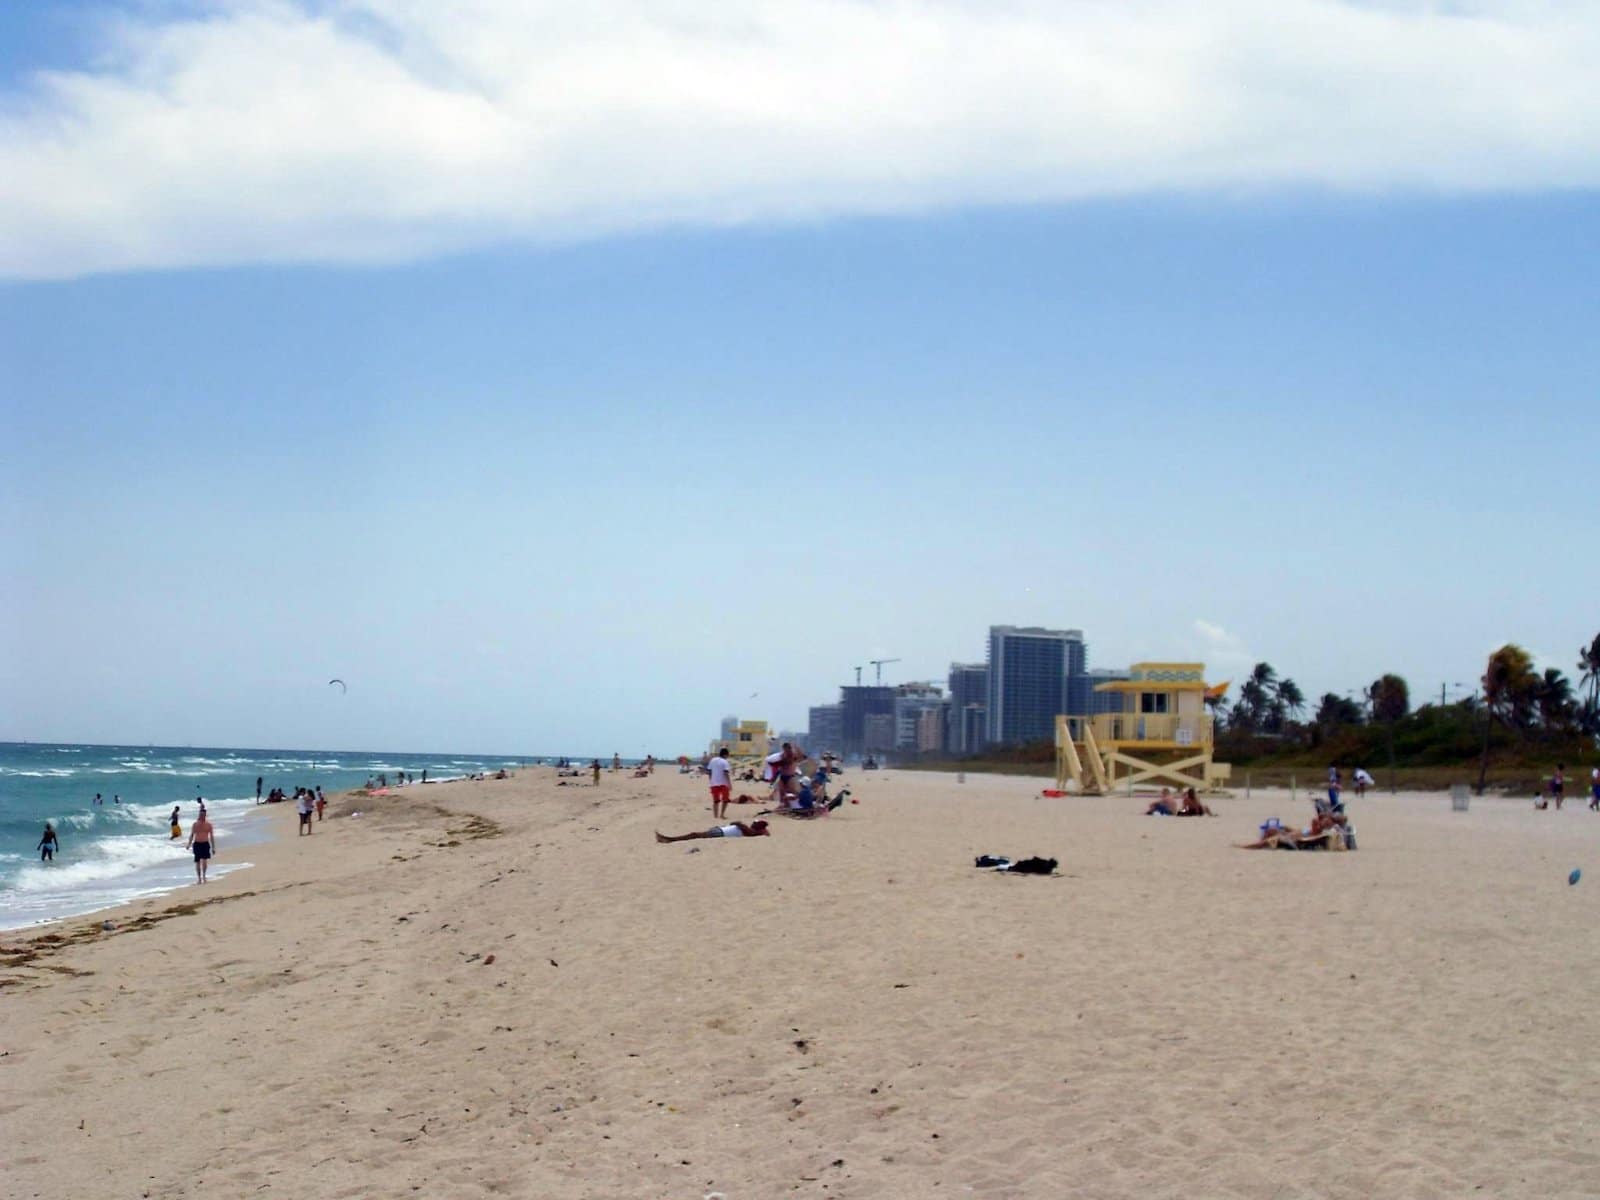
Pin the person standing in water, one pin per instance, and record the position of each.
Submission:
(48, 844)
(258, 789)
(175, 824)
(203, 841)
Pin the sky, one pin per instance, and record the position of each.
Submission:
(567, 382)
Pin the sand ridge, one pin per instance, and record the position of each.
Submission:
(508, 989)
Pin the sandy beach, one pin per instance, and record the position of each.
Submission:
(507, 989)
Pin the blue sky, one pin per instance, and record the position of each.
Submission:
(543, 489)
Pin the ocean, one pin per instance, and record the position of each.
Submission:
(121, 850)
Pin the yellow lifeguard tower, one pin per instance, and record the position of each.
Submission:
(746, 741)
(1161, 711)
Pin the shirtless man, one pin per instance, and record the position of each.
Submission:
(737, 829)
(203, 841)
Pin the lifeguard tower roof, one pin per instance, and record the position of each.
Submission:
(1160, 677)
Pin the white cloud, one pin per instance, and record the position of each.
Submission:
(1223, 652)
(379, 130)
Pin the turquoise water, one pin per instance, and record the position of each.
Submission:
(119, 850)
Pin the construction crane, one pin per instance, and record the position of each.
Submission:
(879, 663)
(858, 676)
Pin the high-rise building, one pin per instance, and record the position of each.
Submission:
(856, 704)
(1034, 674)
(827, 729)
(1103, 702)
(877, 733)
(911, 700)
(969, 699)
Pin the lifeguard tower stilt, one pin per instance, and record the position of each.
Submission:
(1160, 710)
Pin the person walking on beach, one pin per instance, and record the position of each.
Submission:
(784, 770)
(303, 806)
(596, 772)
(258, 789)
(48, 844)
(321, 803)
(203, 841)
(1558, 785)
(721, 783)
(1594, 790)
(616, 761)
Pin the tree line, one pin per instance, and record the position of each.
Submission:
(1514, 704)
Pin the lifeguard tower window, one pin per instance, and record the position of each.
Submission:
(1152, 702)
(744, 737)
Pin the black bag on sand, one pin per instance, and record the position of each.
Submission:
(991, 860)
(1033, 866)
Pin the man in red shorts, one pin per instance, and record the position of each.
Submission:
(721, 783)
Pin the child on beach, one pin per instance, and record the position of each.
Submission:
(175, 827)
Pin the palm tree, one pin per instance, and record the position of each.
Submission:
(1250, 707)
(1554, 699)
(1589, 665)
(1289, 695)
(1509, 685)
(1391, 700)
(1254, 707)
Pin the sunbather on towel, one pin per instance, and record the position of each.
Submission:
(737, 829)
(1324, 827)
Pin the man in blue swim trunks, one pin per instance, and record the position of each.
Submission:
(202, 840)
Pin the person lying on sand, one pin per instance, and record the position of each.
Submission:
(737, 829)
(1324, 828)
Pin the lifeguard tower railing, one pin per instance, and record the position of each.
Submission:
(1154, 731)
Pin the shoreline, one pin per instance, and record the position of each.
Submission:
(508, 989)
(156, 890)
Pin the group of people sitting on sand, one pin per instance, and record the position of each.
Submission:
(1184, 804)
(1330, 827)
(1327, 831)
(793, 793)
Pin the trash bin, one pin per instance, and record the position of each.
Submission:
(1458, 797)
